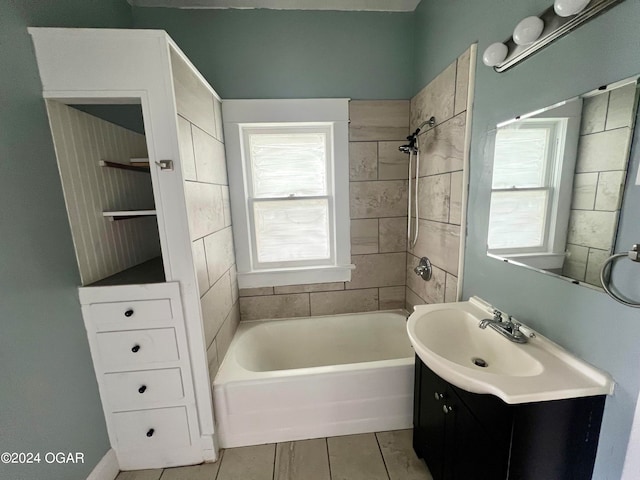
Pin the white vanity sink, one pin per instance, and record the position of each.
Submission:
(449, 341)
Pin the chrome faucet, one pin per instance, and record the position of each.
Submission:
(497, 318)
(509, 329)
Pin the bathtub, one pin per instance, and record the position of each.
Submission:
(284, 380)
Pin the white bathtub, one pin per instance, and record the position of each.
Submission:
(284, 380)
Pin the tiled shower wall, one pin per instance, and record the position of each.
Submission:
(442, 151)
(378, 206)
(601, 168)
(384, 278)
(102, 247)
(207, 195)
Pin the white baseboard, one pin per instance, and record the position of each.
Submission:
(107, 468)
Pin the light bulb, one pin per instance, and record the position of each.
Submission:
(495, 54)
(566, 8)
(528, 30)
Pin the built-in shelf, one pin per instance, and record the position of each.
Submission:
(151, 271)
(125, 214)
(124, 166)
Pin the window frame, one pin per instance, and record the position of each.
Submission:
(325, 128)
(328, 115)
(557, 129)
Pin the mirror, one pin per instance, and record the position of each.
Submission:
(558, 180)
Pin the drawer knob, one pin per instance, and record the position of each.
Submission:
(128, 313)
(150, 432)
(135, 348)
(142, 389)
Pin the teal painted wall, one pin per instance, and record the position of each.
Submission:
(48, 392)
(585, 321)
(293, 54)
(49, 400)
(127, 116)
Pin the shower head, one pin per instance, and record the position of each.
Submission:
(412, 146)
(405, 148)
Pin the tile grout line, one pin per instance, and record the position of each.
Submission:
(606, 112)
(220, 460)
(382, 455)
(326, 442)
(595, 195)
(455, 84)
(275, 456)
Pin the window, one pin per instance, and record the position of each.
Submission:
(289, 191)
(523, 193)
(534, 160)
(288, 172)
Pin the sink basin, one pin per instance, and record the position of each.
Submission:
(448, 340)
(454, 335)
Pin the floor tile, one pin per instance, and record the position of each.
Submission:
(248, 463)
(356, 457)
(401, 461)
(206, 471)
(302, 460)
(140, 475)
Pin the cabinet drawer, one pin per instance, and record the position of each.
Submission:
(134, 313)
(135, 390)
(134, 348)
(160, 428)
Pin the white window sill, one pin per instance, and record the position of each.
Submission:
(295, 276)
(544, 261)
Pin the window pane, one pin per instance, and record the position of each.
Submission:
(285, 165)
(293, 230)
(517, 219)
(520, 157)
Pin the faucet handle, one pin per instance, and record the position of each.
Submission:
(515, 326)
(497, 315)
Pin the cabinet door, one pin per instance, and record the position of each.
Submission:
(556, 439)
(429, 423)
(472, 450)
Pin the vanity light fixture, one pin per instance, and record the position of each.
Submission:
(536, 32)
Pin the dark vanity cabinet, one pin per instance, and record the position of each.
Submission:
(467, 436)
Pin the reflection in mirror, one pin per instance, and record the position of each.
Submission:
(558, 178)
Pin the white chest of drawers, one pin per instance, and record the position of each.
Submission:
(139, 348)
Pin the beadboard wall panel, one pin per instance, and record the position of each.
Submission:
(102, 247)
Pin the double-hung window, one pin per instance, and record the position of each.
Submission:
(529, 199)
(288, 177)
(523, 193)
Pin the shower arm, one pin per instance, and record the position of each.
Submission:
(431, 122)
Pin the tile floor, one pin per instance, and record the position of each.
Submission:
(369, 456)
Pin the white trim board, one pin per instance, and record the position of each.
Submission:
(107, 468)
(239, 114)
